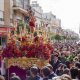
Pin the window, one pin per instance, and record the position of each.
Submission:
(1, 16)
(2, 40)
(1, 19)
(11, 20)
(19, 3)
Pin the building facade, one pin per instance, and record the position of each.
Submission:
(11, 11)
(70, 34)
(51, 22)
(37, 13)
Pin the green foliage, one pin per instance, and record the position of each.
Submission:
(27, 27)
(18, 31)
(52, 37)
(40, 32)
(64, 37)
(57, 37)
(70, 57)
(73, 38)
(21, 24)
(35, 34)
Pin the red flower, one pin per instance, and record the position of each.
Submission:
(36, 39)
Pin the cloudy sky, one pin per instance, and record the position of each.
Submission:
(67, 10)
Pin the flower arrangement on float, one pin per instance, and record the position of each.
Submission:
(32, 49)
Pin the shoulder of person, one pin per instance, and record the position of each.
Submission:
(41, 78)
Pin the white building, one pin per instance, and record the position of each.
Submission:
(37, 13)
(70, 34)
(11, 11)
(1, 12)
(51, 22)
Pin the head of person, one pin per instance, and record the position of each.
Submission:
(2, 78)
(65, 77)
(45, 71)
(33, 71)
(62, 54)
(15, 78)
(74, 72)
(79, 74)
(66, 71)
(61, 66)
(55, 56)
(77, 64)
(13, 74)
(50, 67)
(68, 64)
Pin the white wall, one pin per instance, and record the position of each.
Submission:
(38, 13)
(1, 10)
(2, 5)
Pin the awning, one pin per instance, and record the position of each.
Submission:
(4, 30)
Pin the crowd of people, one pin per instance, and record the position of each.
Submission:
(64, 64)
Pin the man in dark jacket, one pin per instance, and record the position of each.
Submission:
(52, 74)
(34, 74)
(55, 62)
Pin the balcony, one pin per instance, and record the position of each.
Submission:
(21, 10)
(21, 6)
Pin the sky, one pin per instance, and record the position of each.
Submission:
(66, 10)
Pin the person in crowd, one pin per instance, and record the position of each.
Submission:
(77, 64)
(65, 77)
(34, 74)
(45, 73)
(14, 77)
(60, 69)
(74, 73)
(27, 74)
(56, 78)
(66, 71)
(52, 74)
(68, 64)
(62, 58)
(13, 74)
(55, 62)
(2, 78)
(79, 74)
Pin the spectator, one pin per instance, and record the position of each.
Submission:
(13, 74)
(74, 72)
(79, 74)
(14, 77)
(2, 78)
(55, 62)
(45, 73)
(65, 77)
(62, 58)
(60, 69)
(34, 74)
(52, 74)
(56, 78)
(66, 71)
(77, 64)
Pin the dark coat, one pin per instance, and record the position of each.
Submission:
(55, 65)
(35, 78)
(45, 78)
(52, 75)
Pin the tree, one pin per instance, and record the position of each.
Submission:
(57, 37)
(63, 37)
